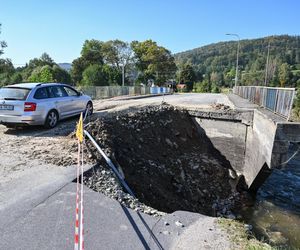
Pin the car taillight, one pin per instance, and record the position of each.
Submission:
(29, 106)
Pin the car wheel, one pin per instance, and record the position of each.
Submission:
(52, 119)
(89, 109)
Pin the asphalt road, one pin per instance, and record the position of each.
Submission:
(197, 99)
(201, 101)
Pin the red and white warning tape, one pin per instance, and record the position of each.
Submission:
(79, 240)
(81, 201)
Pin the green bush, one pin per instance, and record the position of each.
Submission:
(215, 89)
(202, 87)
(297, 103)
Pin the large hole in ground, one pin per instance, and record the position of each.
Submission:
(165, 161)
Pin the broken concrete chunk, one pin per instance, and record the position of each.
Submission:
(178, 224)
(169, 142)
(232, 173)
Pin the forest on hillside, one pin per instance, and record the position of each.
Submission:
(214, 64)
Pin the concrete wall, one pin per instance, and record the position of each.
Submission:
(228, 137)
(254, 147)
(286, 133)
(259, 146)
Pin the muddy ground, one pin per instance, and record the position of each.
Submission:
(165, 161)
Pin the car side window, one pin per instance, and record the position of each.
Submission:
(70, 91)
(57, 91)
(41, 93)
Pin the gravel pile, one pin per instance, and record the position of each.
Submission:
(102, 180)
(165, 161)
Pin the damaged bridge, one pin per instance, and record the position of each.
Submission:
(254, 141)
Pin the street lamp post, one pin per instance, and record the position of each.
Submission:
(237, 58)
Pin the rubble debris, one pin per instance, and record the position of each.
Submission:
(166, 163)
(220, 106)
(178, 224)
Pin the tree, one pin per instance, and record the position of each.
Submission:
(153, 61)
(91, 53)
(94, 75)
(216, 78)
(49, 73)
(6, 66)
(45, 59)
(16, 78)
(60, 75)
(112, 74)
(284, 74)
(187, 76)
(6, 71)
(297, 103)
(46, 74)
(229, 77)
(2, 44)
(203, 87)
(42, 74)
(117, 53)
(78, 66)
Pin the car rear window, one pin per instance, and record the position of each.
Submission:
(14, 93)
(41, 93)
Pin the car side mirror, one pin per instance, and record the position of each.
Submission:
(80, 93)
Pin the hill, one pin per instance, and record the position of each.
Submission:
(217, 61)
(65, 66)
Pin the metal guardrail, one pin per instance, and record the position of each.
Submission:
(99, 92)
(278, 100)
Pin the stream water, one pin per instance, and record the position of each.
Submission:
(276, 213)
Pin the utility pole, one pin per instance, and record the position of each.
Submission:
(123, 75)
(237, 58)
(267, 64)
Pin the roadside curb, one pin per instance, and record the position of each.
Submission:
(230, 102)
(241, 106)
(121, 98)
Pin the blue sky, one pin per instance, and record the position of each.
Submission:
(59, 27)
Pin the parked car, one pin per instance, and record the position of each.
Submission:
(41, 104)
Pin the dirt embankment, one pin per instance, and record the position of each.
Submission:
(168, 165)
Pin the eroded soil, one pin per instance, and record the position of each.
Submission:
(165, 161)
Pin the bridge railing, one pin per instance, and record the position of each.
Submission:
(278, 100)
(100, 92)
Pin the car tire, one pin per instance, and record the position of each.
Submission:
(51, 119)
(89, 109)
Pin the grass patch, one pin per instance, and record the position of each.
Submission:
(226, 90)
(239, 236)
(295, 115)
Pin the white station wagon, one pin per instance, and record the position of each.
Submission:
(41, 104)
